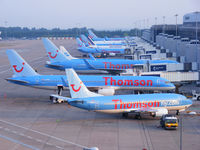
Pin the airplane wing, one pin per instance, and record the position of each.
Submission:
(67, 99)
(14, 80)
(145, 110)
(48, 64)
(156, 111)
(111, 71)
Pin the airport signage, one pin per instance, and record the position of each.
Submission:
(145, 57)
(158, 68)
(151, 52)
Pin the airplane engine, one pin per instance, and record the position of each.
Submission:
(160, 112)
(106, 92)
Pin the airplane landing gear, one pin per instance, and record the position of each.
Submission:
(138, 116)
(56, 100)
(125, 115)
(60, 89)
(177, 112)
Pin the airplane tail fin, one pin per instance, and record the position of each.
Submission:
(80, 43)
(85, 40)
(54, 54)
(67, 54)
(77, 87)
(92, 35)
(19, 66)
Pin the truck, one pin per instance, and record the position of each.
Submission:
(169, 122)
(195, 95)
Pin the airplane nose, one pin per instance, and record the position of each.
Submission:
(189, 101)
(171, 86)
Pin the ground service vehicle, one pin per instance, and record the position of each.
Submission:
(195, 95)
(169, 122)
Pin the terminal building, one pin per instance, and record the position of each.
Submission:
(183, 43)
(191, 24)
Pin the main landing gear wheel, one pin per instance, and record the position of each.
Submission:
(138, 116)
(125, 115)
(177, 112)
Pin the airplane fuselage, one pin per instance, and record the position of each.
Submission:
(115, 50)
(96, 82)
(104, 64)
(131, 103)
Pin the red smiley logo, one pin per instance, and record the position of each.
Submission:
(20, 70)
(75, 90)
(54, 55)
(80, 45)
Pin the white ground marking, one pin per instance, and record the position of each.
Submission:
(44, 134)
(29, 137)
(49, 144)
(14, 132)
(4, 71)
(21, 134)
(18, 142)
(7, 129)
(38, 140)
(59, 147)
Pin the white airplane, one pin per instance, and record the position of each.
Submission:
(154, 104)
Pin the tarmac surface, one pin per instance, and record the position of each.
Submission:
(28, 120)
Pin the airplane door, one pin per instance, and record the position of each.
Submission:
(158, 82)
(96, 105)
(93, 105)
(37, 80)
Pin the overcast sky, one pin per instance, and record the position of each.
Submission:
(97, 14)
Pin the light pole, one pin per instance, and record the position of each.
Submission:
(155, 28)
(6, 22)
(196, 24)
(176, 15)
(139, 27)
(176, 24)
(163, 24)
(196, 37)
(136, 28)
(181, 132)
(144, 23)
